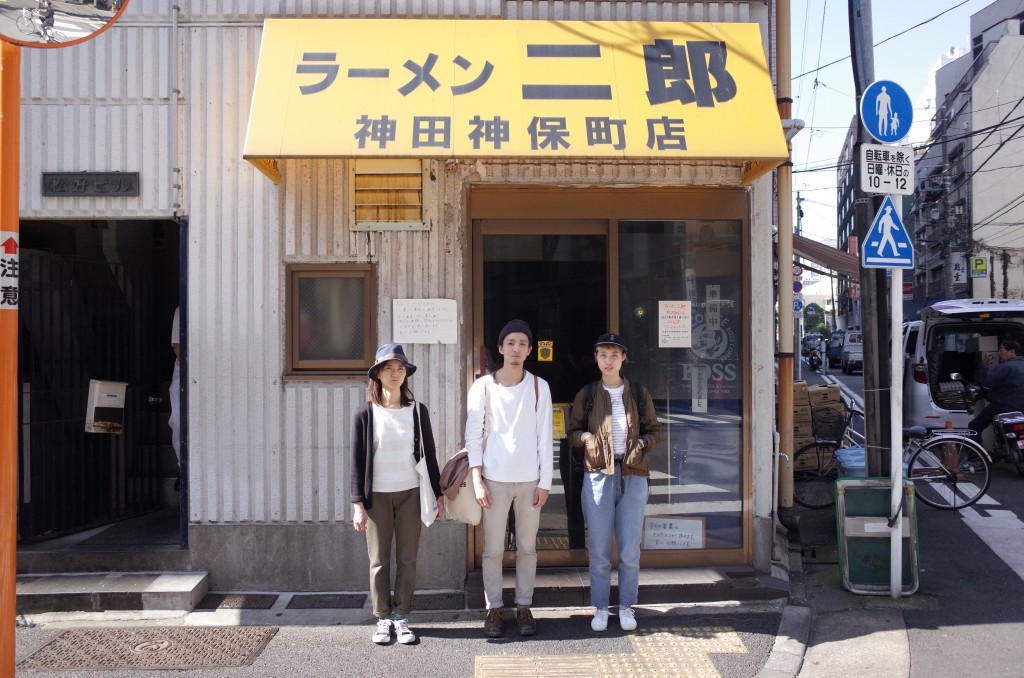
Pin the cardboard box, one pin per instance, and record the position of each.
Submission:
(799, 393)
(801, 441)
(802, 413)
(803, 429)
(806, 461)
(810, 461)
(823, 395)
(987, 343)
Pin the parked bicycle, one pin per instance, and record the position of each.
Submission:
(949, 470)
(31, 23)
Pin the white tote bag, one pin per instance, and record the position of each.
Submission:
(428, 502)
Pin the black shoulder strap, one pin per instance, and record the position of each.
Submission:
(588, 402)
(416, 430)
(640, 394)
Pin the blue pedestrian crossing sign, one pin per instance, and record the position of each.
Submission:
(886, 111)
(887, 244)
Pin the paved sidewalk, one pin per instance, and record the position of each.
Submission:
(670, 641)
(848, 634)
(822, 630)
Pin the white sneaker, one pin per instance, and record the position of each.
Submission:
(627, 619)
(404, 633)
(600, 620)
(382, 636)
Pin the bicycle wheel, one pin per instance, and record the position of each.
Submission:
(815, 470)
(57, 36)
(949, 473)
(25, 25)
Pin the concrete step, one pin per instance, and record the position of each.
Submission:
(98, 592)
(570, 586)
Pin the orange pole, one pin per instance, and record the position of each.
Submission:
(10, 124)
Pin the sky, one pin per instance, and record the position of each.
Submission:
(825, 100)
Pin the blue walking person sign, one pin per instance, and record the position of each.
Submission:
(886, 111)
(887, 244)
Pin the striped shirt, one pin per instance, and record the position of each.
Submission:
(618, 421)
(394, 466)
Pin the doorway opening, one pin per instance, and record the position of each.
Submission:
(97, 300)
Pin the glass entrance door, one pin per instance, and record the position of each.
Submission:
(553, 275)
(676, 288)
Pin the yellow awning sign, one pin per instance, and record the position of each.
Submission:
(546, 89)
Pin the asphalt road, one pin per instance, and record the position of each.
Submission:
(967, 618)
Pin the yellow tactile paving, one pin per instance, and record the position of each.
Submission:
(680, 652)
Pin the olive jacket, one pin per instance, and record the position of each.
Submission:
(641, 436)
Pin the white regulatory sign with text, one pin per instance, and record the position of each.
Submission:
(887, 169)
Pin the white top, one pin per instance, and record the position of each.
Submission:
(175, 328)
(519, 445)
(394, 466)
(618, 421)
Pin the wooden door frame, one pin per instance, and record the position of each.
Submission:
(612, 204)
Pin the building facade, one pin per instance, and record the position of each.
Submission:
(965, 212)
(290, 268)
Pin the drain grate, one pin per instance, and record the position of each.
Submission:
(237, 601)
(329, 601)
(152, 648)
(439, 601)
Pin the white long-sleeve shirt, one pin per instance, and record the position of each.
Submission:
(518, 448)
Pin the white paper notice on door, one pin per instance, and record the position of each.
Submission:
(425, 321)
(673, 533)
(674, 327)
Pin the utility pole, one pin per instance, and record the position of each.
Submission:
(784, 407)
(10, 126)
(798, 318)
(874, 320)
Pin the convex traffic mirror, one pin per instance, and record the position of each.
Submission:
(55, 23)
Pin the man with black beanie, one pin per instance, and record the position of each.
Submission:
(509, 439)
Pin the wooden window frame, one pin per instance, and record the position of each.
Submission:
(294, 366)
(403, 167)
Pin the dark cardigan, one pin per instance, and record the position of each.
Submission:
(361, 452)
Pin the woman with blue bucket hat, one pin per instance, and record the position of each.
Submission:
(391, 443)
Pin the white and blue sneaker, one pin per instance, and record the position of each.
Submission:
(382, 635)
(404, 633)
(600, 620)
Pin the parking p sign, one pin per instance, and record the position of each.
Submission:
(979, 267)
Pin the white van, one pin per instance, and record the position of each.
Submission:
(952, 336)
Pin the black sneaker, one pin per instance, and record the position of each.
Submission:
(527, 625)
(494, 624)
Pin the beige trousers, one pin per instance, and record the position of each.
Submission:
(519, 496)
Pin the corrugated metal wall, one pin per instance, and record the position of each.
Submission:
(263, 450)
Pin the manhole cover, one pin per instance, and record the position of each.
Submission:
(152, 648)
(237, 601)
(327, 601)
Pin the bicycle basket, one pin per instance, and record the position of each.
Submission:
(829, 421)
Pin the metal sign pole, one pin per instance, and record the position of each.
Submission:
(896, 430)
(10, 123)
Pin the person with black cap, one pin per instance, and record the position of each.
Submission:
(614, 425)
(509, 439)
(389, 435)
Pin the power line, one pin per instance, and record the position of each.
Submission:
(877, 44)
(927, 145)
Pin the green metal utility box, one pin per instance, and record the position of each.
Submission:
(862, 516)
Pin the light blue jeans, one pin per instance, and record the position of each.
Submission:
(614, 505)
